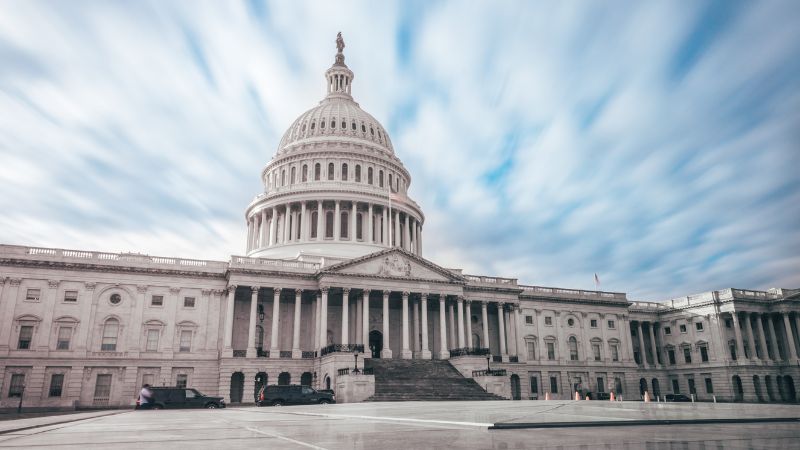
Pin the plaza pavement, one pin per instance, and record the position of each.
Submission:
(418, 425)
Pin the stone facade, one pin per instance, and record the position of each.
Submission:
(334, 265)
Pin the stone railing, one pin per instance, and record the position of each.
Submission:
(469, 351)
(649, 306)
(574, 293)
(309, 355)
(244, 262)
(489, 373)
(364, 371)
(495, 281)
(240, 353)
(497, 358)
(109, 354)
(513, 359)
(286, 354)
(342, 348)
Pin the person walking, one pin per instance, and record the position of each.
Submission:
(145, 397)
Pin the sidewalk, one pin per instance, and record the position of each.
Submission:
(11, 425)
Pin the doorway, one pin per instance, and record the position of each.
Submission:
(261, 381)
(237, 387)
(515, 388)
(375, 343)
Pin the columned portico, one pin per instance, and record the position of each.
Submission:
(251, 335)
(425, 353)
(274, 349)
(386, 352)
(444, 353)
(406, 352)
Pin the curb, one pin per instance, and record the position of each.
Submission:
(637, 423)
(30, 427)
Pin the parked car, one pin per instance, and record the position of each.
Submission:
(677, 398)
(175, 397)
(602, 396)
(293, 395)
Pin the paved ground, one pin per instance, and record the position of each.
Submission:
(420, 425)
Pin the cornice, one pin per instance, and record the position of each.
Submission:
(577, 301)
(267, 200)
(108, 269)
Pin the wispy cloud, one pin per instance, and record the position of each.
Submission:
(655, 144)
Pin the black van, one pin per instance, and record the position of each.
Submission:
(293, 395)
(175, 397)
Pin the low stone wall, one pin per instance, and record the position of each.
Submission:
(495, 385)
(352, 388)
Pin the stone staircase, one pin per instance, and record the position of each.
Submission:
(398, 380)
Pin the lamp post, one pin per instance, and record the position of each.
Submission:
(488, 357)
(355, 354)
(21, 393)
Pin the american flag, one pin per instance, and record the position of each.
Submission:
(596, 280)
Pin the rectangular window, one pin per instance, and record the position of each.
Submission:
(534, 385)
(102, 387)
(728, 323)
(692, 387)
(181, 380)
(553, 385)
(56, 384)
(33, 295)
(551, 351)
(618, 385)
(698, 326)
(593, 323)
(601, 384)
(704, 354)
(548, 320)
(25, 337)
(614, 352)
(667, 330)
(71, 296)
(529, 320)
(148, 378)
(531, 350)
(64, 336)
(152, 340)
(186, 340)
(675, 388)
(611, 325)
(671, 354)
(596, 350)
(709, 386)
(683, 328)
(16, 385)
(157, 300)
(687, 355)
(110, 333)
(188, 302)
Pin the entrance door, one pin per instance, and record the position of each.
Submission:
(375, 343)
(237, 387)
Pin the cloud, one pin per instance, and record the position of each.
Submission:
(651, 144)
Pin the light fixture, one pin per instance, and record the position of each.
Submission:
(261, 313)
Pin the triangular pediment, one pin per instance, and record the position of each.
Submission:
(395, 263)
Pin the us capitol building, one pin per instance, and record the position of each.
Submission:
(334, 265)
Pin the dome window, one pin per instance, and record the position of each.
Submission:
(354, 126)
(369, 175)
(317, 171)
(303, 129)
(333, 124)
(344, 172)
(371, 131)
(292, 176)
(363, 128)
(380, 178)
(358, 173)
(344, 125)
(322, 124)
(305, 173)
(312, 125)
(330, 172)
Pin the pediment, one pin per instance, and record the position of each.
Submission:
(395, 263)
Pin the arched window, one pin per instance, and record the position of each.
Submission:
(317, 171)
(110, 333)
(330, 171)
(284, 379)
(380, 178)
(312, 125)
(305, 173)
(314, 216)
(363, 128)
(358, 173)
(292, 178)
(573, 348)
(353, 126)
(359, 226)
(322, 124)
(329, 224)
(344, 172)
(597, 349)
(369, 175)
(390, 180)
(283, 177)
(343, 224)
(333, 123)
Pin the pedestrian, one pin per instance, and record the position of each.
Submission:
(145, 397)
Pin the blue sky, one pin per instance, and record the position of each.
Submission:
(656, 144)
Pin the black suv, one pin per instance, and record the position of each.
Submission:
(293, 395)
(677, 398)
(175, 397)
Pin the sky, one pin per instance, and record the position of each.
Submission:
(655, 144)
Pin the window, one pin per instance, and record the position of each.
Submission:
(330, 172)
(692, 387)
(687, 355)
(675, 388)
(115, 299)
(329, 224)
(16, 386)
(682, 328)
(617, 385)
(110, 332)
(548, 321)
(358, 173)
(283, 177)
(181, 380)
(157, 300)
(553, 385)
(64, 335)
(359, 226)
(573, 348)
(56, 385)
(611, 325)
(292, 176)
(596, 351)
(534, 385)
(369, 175)
(593, 323)
(186, 340)
(698, 326)
(667, 330)
(317, 171)
(601, 384)
(363, 128)
(314, 216)
(571, 322)
(33, 295)
(614, 352)
(102, 387)
(343, 224)
(709, 386)
(305, 173)
(333, 123)
(152, 340)
(344, 172)
(71, 296)
(671, 355)
(380, 178)
(704, 354)
(551, 351)
(728, 323)
(25, 337)
(529, 320)
(353, 126)
(531, 345)
(188, 302)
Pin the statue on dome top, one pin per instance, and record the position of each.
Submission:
(339, 42)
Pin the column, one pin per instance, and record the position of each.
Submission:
(406, 236)
(761, 338)
(419, 239)
(303, 223)
(789, 337)
(642, 352)
(652, 344)
(323, 319)
(751, 342)
(317, 315)
(738, 332)
(264, 229)
(273, 225)
(443, 353)
(274, 348)
(365, 321)
(385, 227)
(353, 227)
(414, 237)
(460, 301)
(297, 353)
(397, 229)
(406, 352)
(357, 331)
(230, 298)
(370, 229)
(501, 331)
(386, 352)
(337, 221)
(452, 324)
(249, 234)
(286, 214)
(320, 223)
(522, 353)
(415, 344)
(485, 317)
(251, 332)
(773, 338)
(426, 353)
(345, 316)
(511, 343)
(469, 323)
